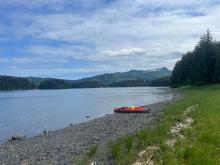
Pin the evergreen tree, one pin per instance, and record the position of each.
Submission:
(201, 66)
(217, 62)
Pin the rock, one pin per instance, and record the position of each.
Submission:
(17, 138)
(96, 138)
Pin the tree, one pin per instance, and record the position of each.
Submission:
(54, 84)
(201, 66)
(217, 62)
(14, 83)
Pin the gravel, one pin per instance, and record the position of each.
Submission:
(59, 147)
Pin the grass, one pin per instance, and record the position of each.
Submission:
(92, 151)
(201, 144)
(86, 158)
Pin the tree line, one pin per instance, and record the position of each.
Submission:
(15, 83)
(200, 66)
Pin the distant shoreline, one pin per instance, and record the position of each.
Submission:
(132, 78)
(82, 88)
(9, 90)
(61, 145)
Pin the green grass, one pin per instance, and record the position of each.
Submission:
(86, 158)
(202, 142)
(92, 151)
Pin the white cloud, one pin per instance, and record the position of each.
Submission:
(153, 33)
(124, 52)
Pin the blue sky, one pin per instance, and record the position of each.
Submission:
(78, 38)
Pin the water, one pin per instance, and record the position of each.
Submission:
(31, 112)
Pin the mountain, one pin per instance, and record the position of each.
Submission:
(130, 83)
(119, 79)
(163, 81)
(147, 75)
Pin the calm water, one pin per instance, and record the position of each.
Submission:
(31, 112)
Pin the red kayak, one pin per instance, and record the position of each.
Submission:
(132, 109)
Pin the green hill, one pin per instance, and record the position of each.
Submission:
(130, 83)
(36, 80)
(148, 75)
(120, 79)
(163, 81)
(15, 83)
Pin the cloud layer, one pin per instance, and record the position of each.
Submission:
(73, 39)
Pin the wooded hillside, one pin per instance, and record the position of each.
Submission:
(199, 67)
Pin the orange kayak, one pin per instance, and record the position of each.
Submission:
(132, 109)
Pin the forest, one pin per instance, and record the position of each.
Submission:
(14, 83)
(200, 66)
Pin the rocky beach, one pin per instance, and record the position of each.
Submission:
(59, 147)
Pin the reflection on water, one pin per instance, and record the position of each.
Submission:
(31, 112)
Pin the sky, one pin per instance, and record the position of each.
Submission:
(72, 39)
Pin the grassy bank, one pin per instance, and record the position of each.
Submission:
(201, 142)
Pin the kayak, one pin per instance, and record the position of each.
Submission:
(132, 109)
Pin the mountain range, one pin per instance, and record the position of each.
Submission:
(118, 79)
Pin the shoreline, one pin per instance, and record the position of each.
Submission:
(60, 146)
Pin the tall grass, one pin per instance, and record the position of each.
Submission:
(86, 159)
(92, 151)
